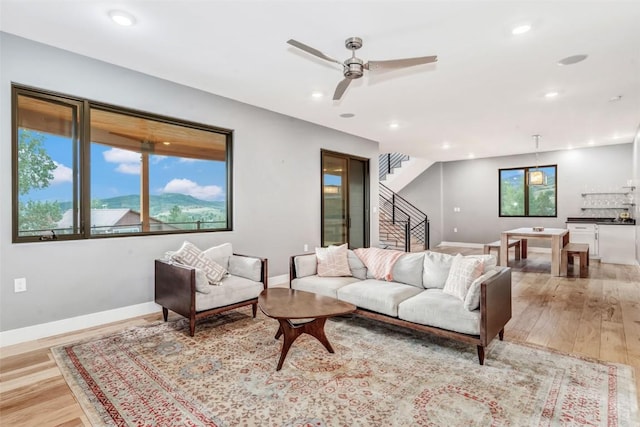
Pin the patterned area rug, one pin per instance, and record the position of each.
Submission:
(380, 375)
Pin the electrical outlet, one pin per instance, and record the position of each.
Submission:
(306, 247)
(20, 285)
(455, 229)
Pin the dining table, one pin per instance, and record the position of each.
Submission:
(559, 237)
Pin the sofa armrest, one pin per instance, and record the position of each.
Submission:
(263, 274)
(175, 287)
(495, 305)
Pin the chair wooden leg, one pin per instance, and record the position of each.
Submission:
(254, 309)
(481, 354)
(501, 334)
(518, 251)
(192, 325)
(165, 313)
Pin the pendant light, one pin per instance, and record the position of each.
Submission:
(537, 176)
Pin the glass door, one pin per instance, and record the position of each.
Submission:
(345, 196)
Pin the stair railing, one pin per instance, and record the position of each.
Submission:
(414, 222)
(388, 162)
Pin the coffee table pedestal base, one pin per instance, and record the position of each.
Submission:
(291, 332)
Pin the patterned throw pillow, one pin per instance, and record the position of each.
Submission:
(461, 275)
(333, 261)
(189, 254)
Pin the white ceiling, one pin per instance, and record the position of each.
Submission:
(484, 96)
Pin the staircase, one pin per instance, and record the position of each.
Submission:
(402, 226)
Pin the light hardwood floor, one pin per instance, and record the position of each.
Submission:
(597, 317)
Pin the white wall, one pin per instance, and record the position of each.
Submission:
(276, 188)
(472, 185)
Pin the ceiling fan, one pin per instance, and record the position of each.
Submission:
(354, 67)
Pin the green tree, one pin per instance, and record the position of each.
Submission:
(175, 215)
(35, 167)
(37, 215)
(35, 171)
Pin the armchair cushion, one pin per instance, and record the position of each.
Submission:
(232, 289)
(247, 267)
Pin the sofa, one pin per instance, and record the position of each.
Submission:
(417, 291)
(197, 284)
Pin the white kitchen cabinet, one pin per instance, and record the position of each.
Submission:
(585, 233)
(617, 244)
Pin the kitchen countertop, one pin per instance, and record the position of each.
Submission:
(600, 221)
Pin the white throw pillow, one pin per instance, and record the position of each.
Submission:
(306, 265)
(333, 261)
(436, 269)
(461, 275)
(408, 269)
(472, 300)
(220, 254)
(189, 254)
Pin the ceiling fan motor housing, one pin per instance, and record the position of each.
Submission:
(353, 68)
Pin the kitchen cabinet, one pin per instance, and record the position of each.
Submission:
(617, 244)
(585, 233)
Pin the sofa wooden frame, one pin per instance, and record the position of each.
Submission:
(495, 312)
(175, 290)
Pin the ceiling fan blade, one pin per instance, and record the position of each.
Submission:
(399, 63)
(342, 86)
(312, 51)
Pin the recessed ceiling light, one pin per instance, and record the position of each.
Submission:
(569, 147)
(471, 156)
(317, 94)
(445, 145)
(347, 115)
(520, 29)
(591, 142)
(570, 60)
(122, 18)
(551, 94)
(393, 125)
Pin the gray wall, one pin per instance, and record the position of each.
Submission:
(276, 188)
(472, 185)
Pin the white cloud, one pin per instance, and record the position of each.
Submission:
(129, 168)
(62, 174)
(118, 155)
(128, 161)
(186, 186)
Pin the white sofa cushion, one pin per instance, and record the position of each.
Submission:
(408, 269)
(377, 295)
(220, 254)
(247, 267)
(332, 261)
(472, 300)
(435, 308)
(327, 286)
(358, 269)
(231, 290)
(461, 275)
(306, 265)
(436, 269)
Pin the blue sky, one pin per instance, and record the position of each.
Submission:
(116, 172)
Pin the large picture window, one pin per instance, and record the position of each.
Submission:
(84, 169)
(528, 192)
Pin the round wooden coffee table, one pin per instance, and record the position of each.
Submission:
(300, 312)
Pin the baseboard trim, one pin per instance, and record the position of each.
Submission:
(279, 280)
(44, 330)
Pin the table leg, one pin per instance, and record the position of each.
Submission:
(504, 250)
(556, 251)
(523, 243)
(291, 332)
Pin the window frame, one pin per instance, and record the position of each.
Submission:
(526, 170)
(82, 162)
